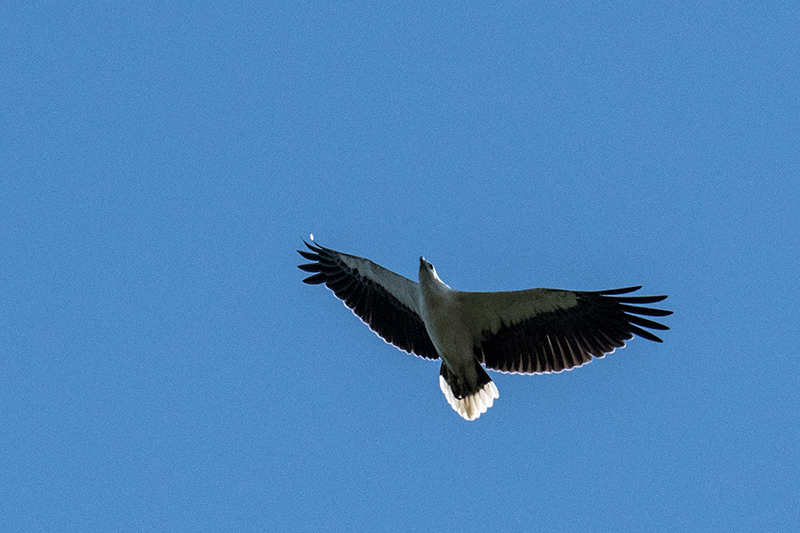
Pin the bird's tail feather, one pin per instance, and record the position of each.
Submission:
(469, 404)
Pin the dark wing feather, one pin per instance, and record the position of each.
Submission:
(362, 286)
(561, 339)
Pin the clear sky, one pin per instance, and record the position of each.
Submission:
(163, 368)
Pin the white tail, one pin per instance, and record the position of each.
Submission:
(471, 407)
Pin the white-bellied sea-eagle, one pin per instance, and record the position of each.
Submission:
(521, 332)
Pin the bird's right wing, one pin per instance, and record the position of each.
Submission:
(387, 302)
(549, 330)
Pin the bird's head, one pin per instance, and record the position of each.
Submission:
(427, 271)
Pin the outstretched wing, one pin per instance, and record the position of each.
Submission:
(387, 302)
(548, 330)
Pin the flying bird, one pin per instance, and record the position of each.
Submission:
(519, 332)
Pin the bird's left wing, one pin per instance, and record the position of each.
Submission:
(548, 330)
(387, 302)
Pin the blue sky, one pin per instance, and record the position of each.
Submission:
(163, 367)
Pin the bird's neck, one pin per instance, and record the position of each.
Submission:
(431, 285)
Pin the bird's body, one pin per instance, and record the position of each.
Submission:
(463, 381)
(530, 331)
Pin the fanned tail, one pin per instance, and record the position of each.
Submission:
(469, 404)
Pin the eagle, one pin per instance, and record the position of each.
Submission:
(531, 331)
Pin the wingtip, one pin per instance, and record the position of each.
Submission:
(316, 279)
(315, 257)
(314, 247)
(623, 290)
